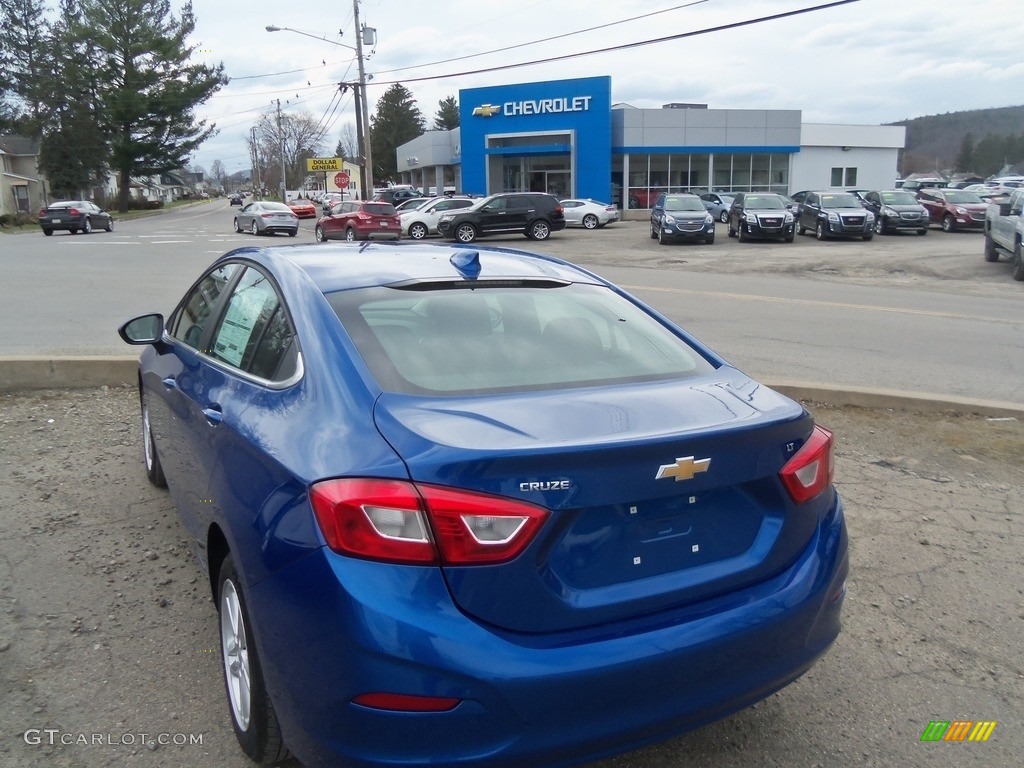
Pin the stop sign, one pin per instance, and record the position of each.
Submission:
(341, 180)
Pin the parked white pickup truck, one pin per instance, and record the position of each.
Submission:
(1004, 229)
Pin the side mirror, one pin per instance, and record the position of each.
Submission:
(1004, 209)
(146, 329)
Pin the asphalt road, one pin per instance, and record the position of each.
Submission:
(919, 314)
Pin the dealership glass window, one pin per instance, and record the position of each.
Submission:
(741, 172)
(723, 172)
(780, 173)
(760, 172)
(700, 171)
(844, 177)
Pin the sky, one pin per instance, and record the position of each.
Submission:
(865, 62)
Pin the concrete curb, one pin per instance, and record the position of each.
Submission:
(43, 372)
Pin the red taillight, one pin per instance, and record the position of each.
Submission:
(810, 470)
(399, 522)
(266, 215)
(73, 212)
(399, 702)
(42, 212)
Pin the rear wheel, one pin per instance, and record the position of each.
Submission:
(255, 230)
(723, 216)
(539, 230)
(252, 714)
(590, 221)
(293, 232)
(948, 223)
(48, 232)
(991, 254)
(350, 235)
(800, 229)
(318, 234)
(417, 230)
(87, 229)
(465, 233)
(1018, 262)
(819, 231)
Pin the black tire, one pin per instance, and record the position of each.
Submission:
(1018, 262)
(48, 232)
(991, 254)
(237, 228)
(350, 235)
(879, 226)
(800, 229)
(418, 230)
(252, 713)
(740, 237)
(110, 224)
(709, 240)
(867, 238)
(723, 217)
(154, 469)
(73, 230)
(922, 232)
(661, 236)
(254, 229)
(465, 232)
(819, 231)
(87, 229)
(948, 223)
(788, 239)
(654, 232)
(293, 233)
(730, 231)
(590, 221)
(539, 230)
(318, 234)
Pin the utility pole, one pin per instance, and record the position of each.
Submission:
(257, 173)
(357, 101)
(280, 133)
(365, 121)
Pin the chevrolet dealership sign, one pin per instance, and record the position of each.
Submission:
(535, 107)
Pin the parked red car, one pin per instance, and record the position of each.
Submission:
(953, 208)
(304, 209)
(359, 220)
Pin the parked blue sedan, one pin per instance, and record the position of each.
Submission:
(480, 507)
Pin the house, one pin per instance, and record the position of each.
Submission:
(22, 187)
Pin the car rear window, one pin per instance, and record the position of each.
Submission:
(509, 336)
(380, 209)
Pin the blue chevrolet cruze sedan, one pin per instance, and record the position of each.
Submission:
(480, 507)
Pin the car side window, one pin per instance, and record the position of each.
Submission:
(254, 334)
(196, 309)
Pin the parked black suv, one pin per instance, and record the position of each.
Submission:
(533, 214)
(896, 210)
(681, 217)
(838, 214)
(762, 215)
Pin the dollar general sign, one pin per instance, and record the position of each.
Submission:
(321, 164)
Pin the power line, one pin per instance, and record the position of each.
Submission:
(627, 46)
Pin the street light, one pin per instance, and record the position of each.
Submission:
(364, 120)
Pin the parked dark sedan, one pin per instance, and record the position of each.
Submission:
(835, 214)
(896, 210)
(761, 216)
(477, 507)
(75, 216)
(681, 216)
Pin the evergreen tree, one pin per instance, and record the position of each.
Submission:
(397, 121)
(147, 88)
(447, 116)
(24, 87)
(965, 157)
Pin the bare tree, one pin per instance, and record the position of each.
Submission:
(294, 135)
(349, 143)
(217, 173)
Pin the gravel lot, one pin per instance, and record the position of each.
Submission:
(107, 630)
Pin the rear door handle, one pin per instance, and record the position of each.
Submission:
(213, 414)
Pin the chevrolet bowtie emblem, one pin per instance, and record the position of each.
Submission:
(684, 468)
(486, 110)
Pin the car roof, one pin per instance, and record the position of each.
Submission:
(342, 266)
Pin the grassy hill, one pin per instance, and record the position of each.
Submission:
(935, 142)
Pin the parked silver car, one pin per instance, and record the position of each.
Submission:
(718, 204)
(589, 214)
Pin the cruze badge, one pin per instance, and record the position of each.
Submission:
(683, 469)
(486, 110)
(545, 485)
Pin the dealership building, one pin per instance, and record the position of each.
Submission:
(567, 138)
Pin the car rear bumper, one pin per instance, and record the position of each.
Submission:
(330, 628)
